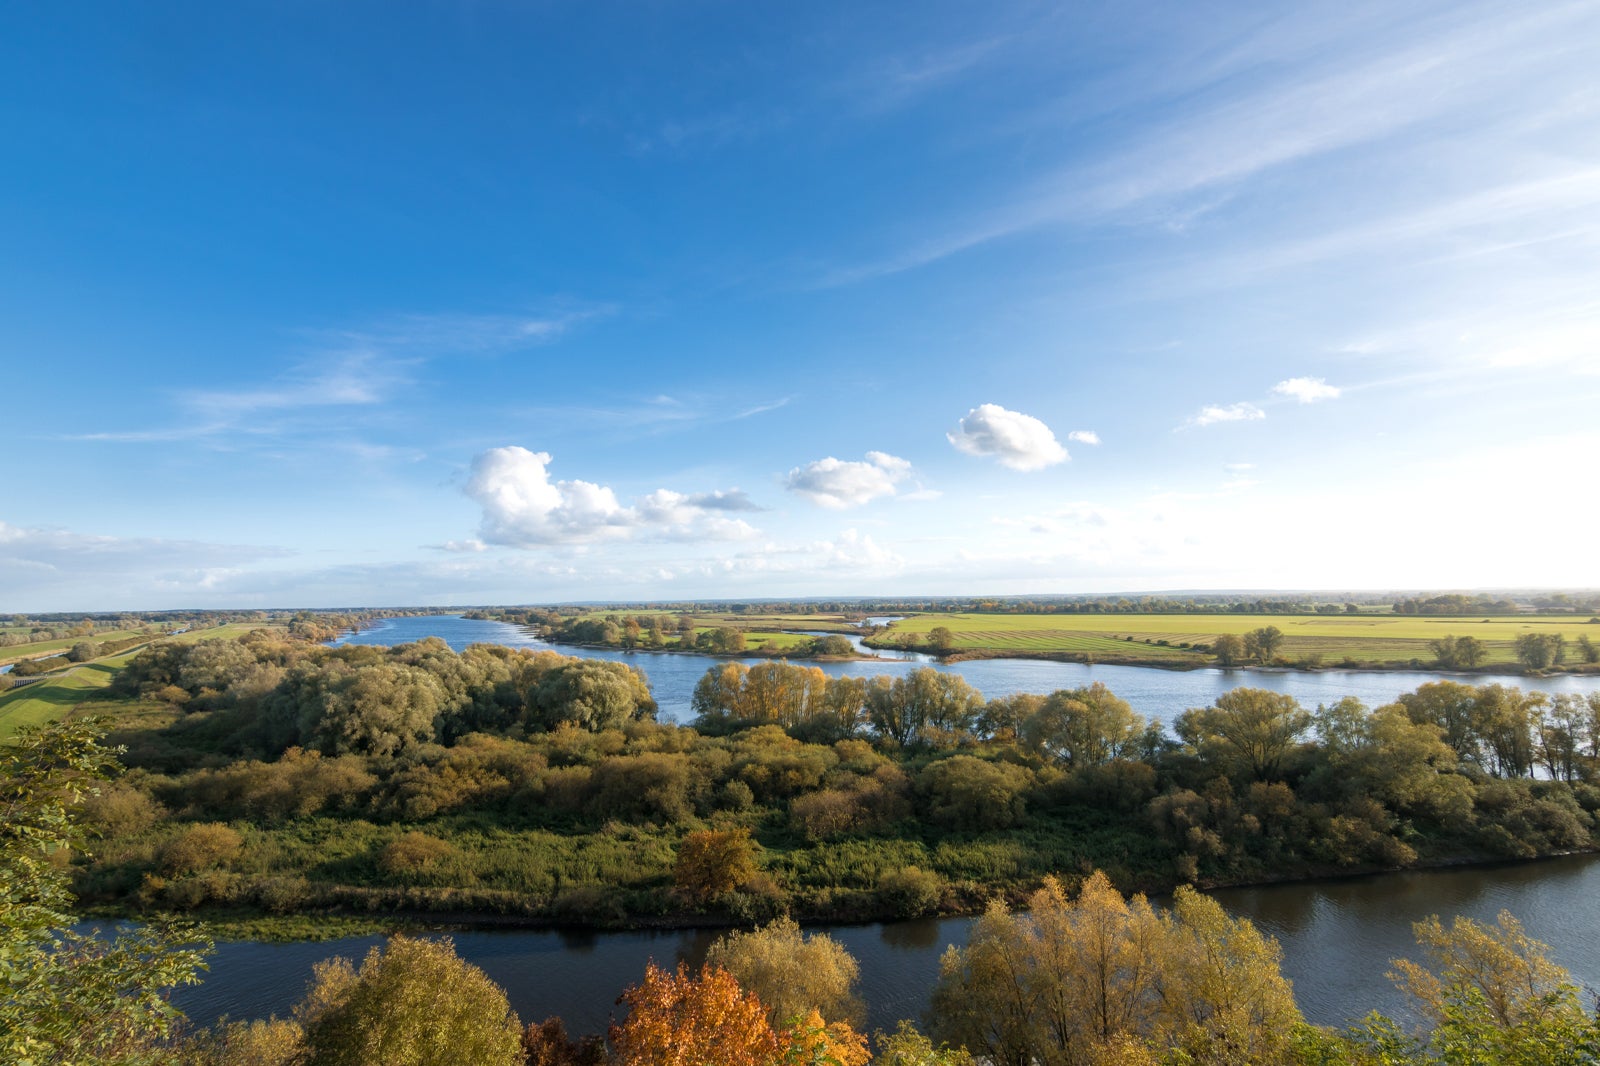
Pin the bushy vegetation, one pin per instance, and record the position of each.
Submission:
(364, 780)
(1084, 975)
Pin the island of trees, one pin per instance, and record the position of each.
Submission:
(1084, 975)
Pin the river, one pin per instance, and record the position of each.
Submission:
(1153, 692)
(1338, 936)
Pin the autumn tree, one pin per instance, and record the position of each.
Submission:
(712, 863)
(793, 974)
(679, 1019)
(415, 1004)
(1097, 978)
(1490, 994)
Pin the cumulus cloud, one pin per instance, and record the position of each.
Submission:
(1211, 414)
(1306, 390)
(1084, 436)
(1018, 441)
(841, 483)
(523, 508)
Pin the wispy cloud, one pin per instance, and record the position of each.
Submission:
(365, 367)
(1306, 390)
(1213, 414)
(1221, 136)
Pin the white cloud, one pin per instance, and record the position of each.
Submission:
(523, 508)
(1307, 390)
(1018, 441)
(1211, 414)
(1084, 436)
(839, 483)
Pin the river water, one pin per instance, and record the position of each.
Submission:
(1338, 939)
(1338, 936)
(1153, 692)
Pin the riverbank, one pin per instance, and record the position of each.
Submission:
(243, 924)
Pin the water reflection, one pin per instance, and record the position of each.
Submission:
(918, 934)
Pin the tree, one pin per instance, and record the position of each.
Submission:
(82, 652)
(941, 639)
(1588, 650)
(676, 1019)
(1084, 727)
(1459, 653)
(907, 1047)
(1248, 729)
(1493, 996)
(712, 863)
(1229, 649)
(793, 974)
(964, 792)
(67, 996)
(415, 1004)
(592, 694)
(1093, 978)
(1262, 644)
(1540, 651)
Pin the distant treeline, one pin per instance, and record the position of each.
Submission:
(1445, 604)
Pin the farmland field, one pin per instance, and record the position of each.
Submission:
(47, 699)
(44, 647)
(43, 701)
(1365, 638)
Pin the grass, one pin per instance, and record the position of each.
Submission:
(53, 695)
(41, 647)
(47, 699)
(1395, 639)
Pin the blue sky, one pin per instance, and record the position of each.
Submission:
(370, 304)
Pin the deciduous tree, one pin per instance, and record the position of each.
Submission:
(1248, 730)
(415, 1004)
(793, 974)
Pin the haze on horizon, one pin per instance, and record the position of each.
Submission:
(481, 303)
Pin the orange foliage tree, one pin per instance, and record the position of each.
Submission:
(678, 1019)
(713, 862)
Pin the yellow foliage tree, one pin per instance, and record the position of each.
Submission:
(792, 973)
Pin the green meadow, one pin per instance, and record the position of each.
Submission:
(1362, 638)
(53, 695)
